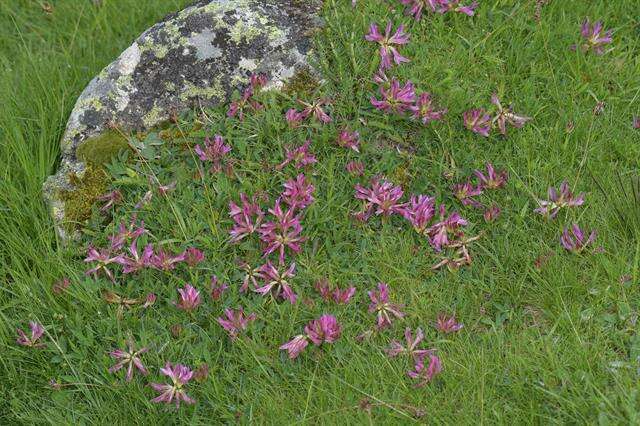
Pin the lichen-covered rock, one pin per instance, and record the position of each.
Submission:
(196, 57)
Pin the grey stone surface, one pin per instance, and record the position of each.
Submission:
(196, 57)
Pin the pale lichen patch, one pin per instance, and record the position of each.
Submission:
(203, 42)
(248, 64)
(129, 60)
(155, 116)
(210, 90)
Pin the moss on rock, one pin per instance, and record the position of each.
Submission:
(101, 149)
(78, 202)
(303, 82)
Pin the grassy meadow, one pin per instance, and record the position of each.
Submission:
(549, 336)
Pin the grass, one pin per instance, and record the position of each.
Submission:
(550, 344)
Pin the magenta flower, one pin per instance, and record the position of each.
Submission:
(383, 196)
(349, 140)
(594, 37)
(388, 43)
(636, 122)
(461, 256)
(411, 349)
(257, 81)
(419, 211)
(138, 261)
(380, 78)
(180, 376)
(315, 110)
(299, 156)
(283, 233)
(293, 117)
(557, 200)
(448, 324)
(337, 295)
(238, 107)
(492, 213)
(478, 121)
(235, 322)
(426, 374)
(246, 101)
(455, 6)
(298, 192)
(103, 259)
(355, 168)
(277, 282)
(189, 298)
(465, 192)
(492, 180)
(250, 276)
(217, 288)
(395, 98)
(149, 300)
(343, 296)
(37, 330)
(165, 261)
(506, 116)
(380, 303)
(193, 256)
(415, 7)
(322, 330)
(129, 358)
(125, 233)
(323, 288)
(110, 199)
(214, 152)
(439, 232)
(246, 219)
(295, 346)
(575, 240)
(424, 111)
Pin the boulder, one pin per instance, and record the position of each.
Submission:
(194, 58)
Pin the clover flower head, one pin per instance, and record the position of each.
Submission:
(180, 375)
(575, 239)
(493, 179)
(388, 44)
(424, 110)
(214, 152)
(411, 347)
(447, 324)
(395, 98)
(189, 298)
(235, 321)
(276, 281)
(380, 303)
(595, 38)
(478, 121)
(425, 374)
(558, 199)
(33, 341)
(298, 192)
(130, 358)
(247, 218)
